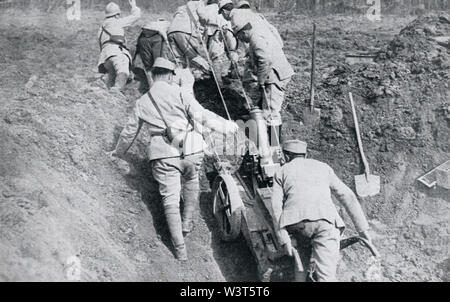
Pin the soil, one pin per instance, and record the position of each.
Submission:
(62, 198)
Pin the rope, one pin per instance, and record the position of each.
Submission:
(236, 68)
(205, 49)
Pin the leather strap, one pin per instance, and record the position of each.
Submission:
(157, 108)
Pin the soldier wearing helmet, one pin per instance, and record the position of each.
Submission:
(268, 63)
(219, 39)
(115, 58)
(185, 38)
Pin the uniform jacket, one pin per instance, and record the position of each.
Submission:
(266, 49)
(215, 25)
(268, 56)
(182, 19)
(184, 34)
(302, 191)
(115, 26)
(180, 110)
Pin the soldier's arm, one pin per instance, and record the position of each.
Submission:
(203, 116)
(188, 46)
(134, 16)
(348, 199)
(261, 51)
(277, 208)
(232, 45)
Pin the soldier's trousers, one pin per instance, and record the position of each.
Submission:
(118, 70)
(169, 174)
(186, 48)
(318, 246)
(275, 97)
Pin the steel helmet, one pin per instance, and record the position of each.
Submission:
(239, 20)
(243, 3)
(222, 3)
(112, 9)
(295, 146)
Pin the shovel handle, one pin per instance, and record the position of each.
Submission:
(358, 136)
(298, 261)
(313, 69)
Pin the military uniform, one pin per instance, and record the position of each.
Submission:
(173, 160)
(218, 32)
(152, 43)
(115, 58)
(302, 206)
(267, 57)
(185, 39)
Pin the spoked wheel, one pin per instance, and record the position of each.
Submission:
(227, 207)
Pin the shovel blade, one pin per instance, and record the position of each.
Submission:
(311, 117)
(367, 185)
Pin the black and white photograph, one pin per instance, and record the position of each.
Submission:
(217, 142)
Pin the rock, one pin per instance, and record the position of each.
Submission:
(407, 133)
(78, 158)
(18, 116)
(333, 81)
(31, 82)
(424, 220)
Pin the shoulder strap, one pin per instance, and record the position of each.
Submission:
(100, 37)
(157, 108)
(192, 18)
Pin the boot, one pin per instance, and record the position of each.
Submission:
(174, 223)
(191, 194)
(181, 252)
(121, 81)
(110, 79)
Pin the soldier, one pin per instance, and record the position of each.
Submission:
(185, 38)
(225, 8)
(302, 206)
(243, 5)
(218, 32)
(174, 118)
(270, 65)
(152, 44)
(115, 59)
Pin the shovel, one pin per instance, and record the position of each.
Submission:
(366, 184)
(311, 115)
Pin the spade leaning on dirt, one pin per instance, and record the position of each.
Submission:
(63, 200)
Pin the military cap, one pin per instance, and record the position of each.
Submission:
(295, 146)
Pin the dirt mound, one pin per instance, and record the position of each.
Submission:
(403, 103)
(419, 45)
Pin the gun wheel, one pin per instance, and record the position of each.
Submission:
(227, 207)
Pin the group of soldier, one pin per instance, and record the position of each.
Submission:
(215, 39)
